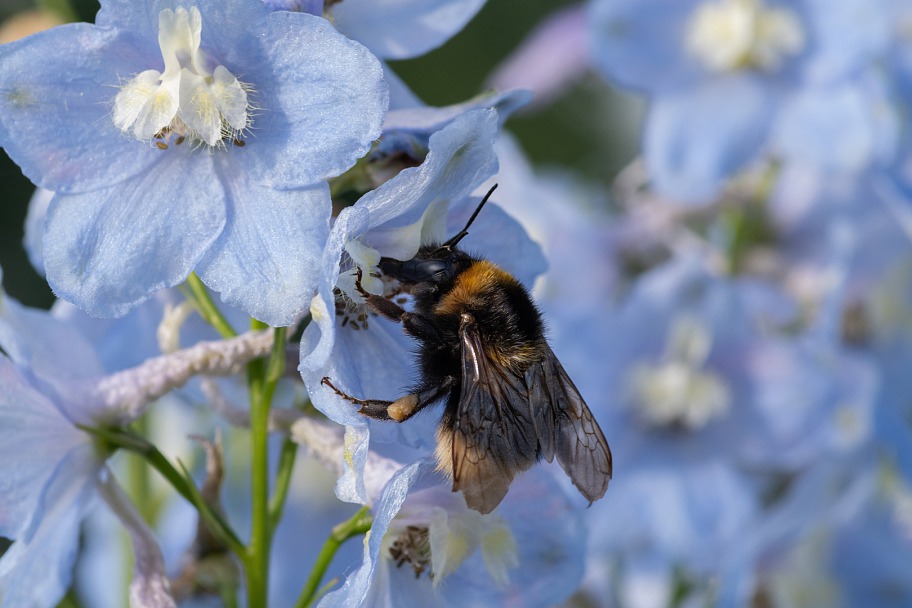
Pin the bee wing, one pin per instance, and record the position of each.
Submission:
(494, 435)
(565, 427)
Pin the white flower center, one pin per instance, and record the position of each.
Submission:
(677, 391)
(194, 97)
(366, 259)
(728, 35)
(438, 541)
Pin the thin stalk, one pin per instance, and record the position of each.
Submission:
(262, 378)
(359, 524)
(180, 481)
(194, 290)
(282, 483)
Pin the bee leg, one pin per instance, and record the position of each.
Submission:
(373, 408)
(379, 304)
(399, 410)
(420, 327)
(385, 308)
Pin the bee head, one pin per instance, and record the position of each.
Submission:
(434, 263)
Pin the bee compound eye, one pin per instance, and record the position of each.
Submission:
(433, 269)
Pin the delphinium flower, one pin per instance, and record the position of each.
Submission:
(848, 260)
(868, 556)
(426, 546)
(730, 80)
(706, 407)
(367, 355)
(52, 470)
(392, 29)
(840, 537)
(191, 138)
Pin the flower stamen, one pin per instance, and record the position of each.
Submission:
(193, 97)
(730, 35)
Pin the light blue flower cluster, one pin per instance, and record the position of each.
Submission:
(736, 310)
(189, 140)
(730, 82)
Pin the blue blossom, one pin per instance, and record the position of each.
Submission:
(697, 376)
(460, 557)
(393, 29)
(366, 355)
(52, 380)
(51, 472)
(783, 555)
(702, 405)
(660, 523)
(868, 557)
(188, 139)
(729, 80)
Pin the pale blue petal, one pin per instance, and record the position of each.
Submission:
(320, 101)
(56, 94)
(108, 250)
(685, 513)
(34, 228)
(845, 36)
(267, 260)
(694, 140)
(228, 27)
(640, 43)
(128, 341)
(837, 128)
(38, 570)
(34, 439)
(139, 19)
(429, 119)
(318, 345)
(314, 7)
(225, 22)
(353, 592)
(551, 59)
(805, 404)
(550, 545)
(460, 157)
(319, 337)
(394, 29)
(547, 530)
(51, 349)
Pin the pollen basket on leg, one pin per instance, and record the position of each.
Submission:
(193, 97)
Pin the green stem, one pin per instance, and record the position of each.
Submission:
(139, 490)
(196, 292)
(282, 483)
(359, 524)
(182, 482)
(261, 379)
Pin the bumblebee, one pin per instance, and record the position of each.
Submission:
(482, 349)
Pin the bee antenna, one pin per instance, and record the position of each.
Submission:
(452, 242)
